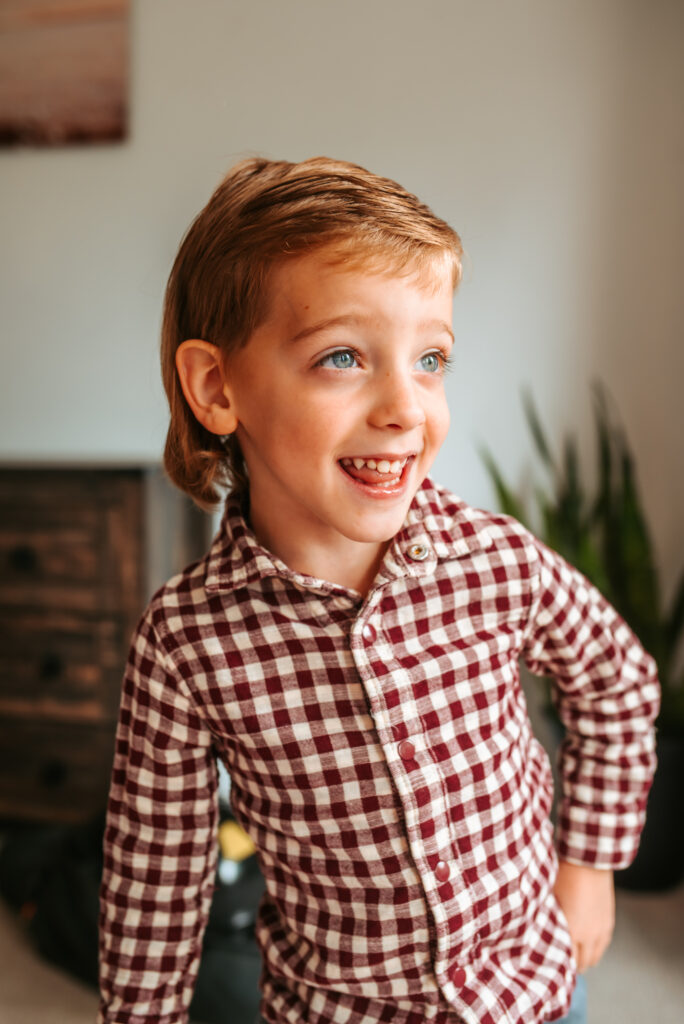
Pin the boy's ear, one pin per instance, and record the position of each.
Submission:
(202, 378)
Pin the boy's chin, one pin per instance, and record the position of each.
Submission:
(382, 532)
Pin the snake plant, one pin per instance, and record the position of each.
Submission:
(605, 535)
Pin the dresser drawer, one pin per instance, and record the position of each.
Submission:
(53, 771)
(82, 548)
(60, 665)
(70, 541)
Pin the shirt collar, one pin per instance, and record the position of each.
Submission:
(438, 527)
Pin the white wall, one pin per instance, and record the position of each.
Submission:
(549, 134)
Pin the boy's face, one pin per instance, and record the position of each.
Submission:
(340, 403)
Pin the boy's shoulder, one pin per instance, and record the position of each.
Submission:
(205, 590)
(183, 598)
(456, 528)
(217, 585)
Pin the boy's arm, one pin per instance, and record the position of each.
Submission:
(607, 696)
(159, 848)
(587, 898)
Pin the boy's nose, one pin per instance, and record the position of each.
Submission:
(396, 403)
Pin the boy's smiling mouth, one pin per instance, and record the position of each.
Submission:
(379, 472)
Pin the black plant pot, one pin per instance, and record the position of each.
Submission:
(659, 864)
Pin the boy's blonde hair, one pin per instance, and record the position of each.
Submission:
(264, 212)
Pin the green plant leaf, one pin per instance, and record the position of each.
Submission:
(570, 498)
(674, 622)
(537, 432)
(590, 564)
(639, 599)
(507, 501)
(671, 717)
(603, 504)
(606, 537)
(605, 512)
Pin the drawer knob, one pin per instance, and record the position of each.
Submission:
(53, 773)
(23, 558)
(51, 666)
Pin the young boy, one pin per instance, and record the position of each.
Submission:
(349, 649)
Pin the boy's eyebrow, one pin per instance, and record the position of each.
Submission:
(355, 320)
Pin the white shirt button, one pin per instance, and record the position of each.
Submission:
(418, 552)
(369, 633)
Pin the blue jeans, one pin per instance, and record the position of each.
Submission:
(576, 1015)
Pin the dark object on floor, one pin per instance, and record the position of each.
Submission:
(226, 991)
(50, 875)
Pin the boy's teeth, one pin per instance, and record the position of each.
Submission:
(382, 465)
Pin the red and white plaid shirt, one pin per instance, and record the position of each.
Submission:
(382, 761)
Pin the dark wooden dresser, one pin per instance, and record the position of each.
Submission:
(81, 551)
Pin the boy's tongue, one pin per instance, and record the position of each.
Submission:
(369, 476)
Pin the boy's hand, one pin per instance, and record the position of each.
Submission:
(587, 899)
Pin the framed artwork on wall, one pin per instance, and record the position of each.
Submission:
(63, 71)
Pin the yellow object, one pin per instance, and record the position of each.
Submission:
(234, 842)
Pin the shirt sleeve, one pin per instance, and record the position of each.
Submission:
(606, 691)
(160, 845)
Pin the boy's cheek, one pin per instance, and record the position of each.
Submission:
(447, 421)
(442, 424)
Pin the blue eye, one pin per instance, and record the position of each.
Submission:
(343, 359)
(432, 362)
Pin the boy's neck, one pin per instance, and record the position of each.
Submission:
(348, 564)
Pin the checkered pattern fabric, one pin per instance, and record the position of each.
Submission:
(383, 763)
